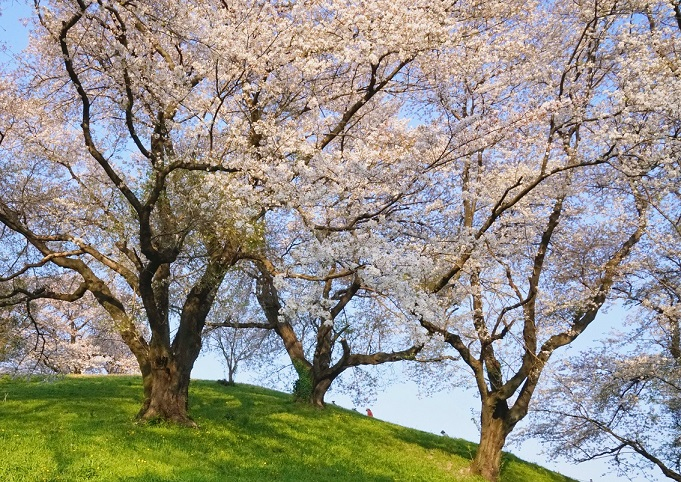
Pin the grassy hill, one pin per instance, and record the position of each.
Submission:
(82, 428)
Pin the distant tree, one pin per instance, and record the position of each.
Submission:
(62, 338)
(237, 346)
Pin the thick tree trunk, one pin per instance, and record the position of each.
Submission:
(166, 392)
(319, 391)
(310, 387)
(167, 368)
(304, 385)
(494, 428)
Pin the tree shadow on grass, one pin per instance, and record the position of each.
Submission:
(454, 446)
(333, 473)
(245, 434)
(514, 469)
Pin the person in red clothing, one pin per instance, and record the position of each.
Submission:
(369, 413)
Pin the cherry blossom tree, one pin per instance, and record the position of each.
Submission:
(332, 260)
(63, 338)
(622, 401)
(538, 222)
(143, 146)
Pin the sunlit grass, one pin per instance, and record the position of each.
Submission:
(83, 428)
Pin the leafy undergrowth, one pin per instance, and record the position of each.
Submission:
(82, 428)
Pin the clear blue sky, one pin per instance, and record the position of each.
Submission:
(451, 411)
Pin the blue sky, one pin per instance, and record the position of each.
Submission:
(13, 33)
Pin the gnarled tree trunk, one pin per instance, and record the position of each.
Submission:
(166, 393)
(494, 428)
(319, 391)
(166, 369)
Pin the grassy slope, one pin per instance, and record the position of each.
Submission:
(82, 428)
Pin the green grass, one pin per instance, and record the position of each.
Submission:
(83, 428)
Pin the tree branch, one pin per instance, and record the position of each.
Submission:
(371, 90)
(85, 101)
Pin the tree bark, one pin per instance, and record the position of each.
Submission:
(494, 428)
(319, 391)
(167, 368)
(166, 391)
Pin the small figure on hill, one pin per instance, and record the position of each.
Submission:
(369, 413)
(444, 434)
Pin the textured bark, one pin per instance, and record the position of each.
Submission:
(166, 393)
(166, 387)
(494, 428)
(319, 391)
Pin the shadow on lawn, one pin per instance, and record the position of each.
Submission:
(454, 446)
(245, 433)
(334, 473)
(513, 469)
